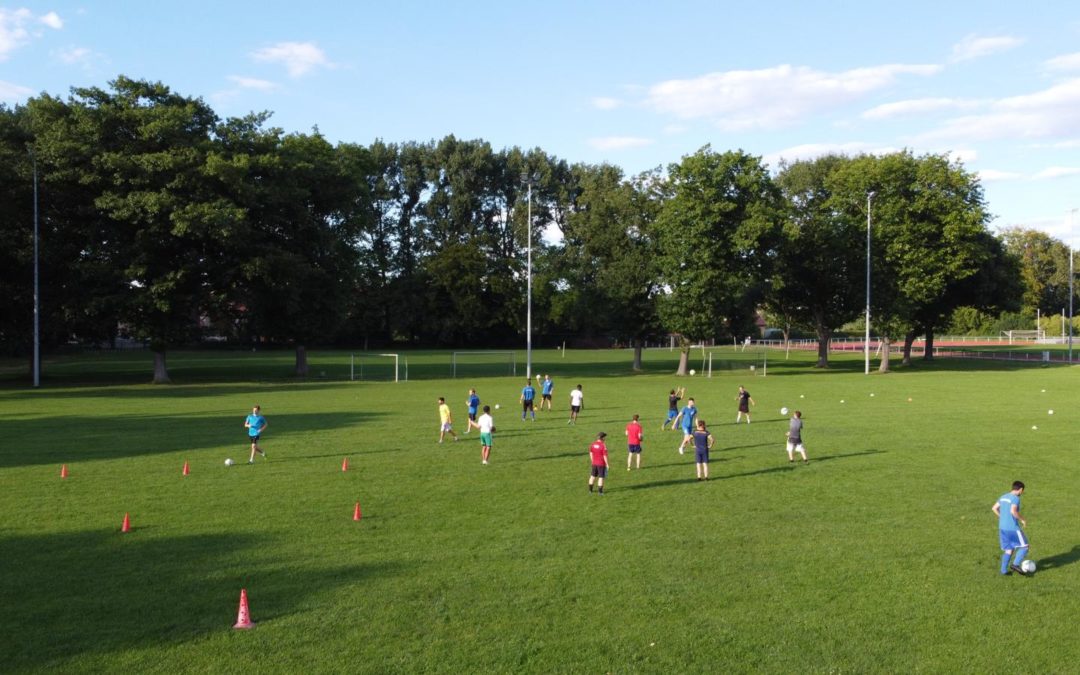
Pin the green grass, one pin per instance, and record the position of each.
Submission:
(879, 556)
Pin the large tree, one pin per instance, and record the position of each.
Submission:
(715, 235)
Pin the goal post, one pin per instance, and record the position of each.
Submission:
(487, 363)
(380, 367)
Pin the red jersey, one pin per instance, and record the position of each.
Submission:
(633, 433)
(599, 453)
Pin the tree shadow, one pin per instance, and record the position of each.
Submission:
(67, 595)
(1060, 559)
(34, 441)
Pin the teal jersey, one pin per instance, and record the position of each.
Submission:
(255, 424)
(1006, 520)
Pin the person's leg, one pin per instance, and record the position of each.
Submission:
(639, 460)
(254, 448)
(591, 480)
(629, 459)
(600, 483)
(1005, 560)
(802, 451)
(1021, 550)
(706, 468)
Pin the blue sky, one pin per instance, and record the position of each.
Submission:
(636, 84)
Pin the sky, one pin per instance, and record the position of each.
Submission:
(635, 84)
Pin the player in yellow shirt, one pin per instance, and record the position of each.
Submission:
(446, 420)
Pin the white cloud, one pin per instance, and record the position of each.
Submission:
(973, 46)
(52, 20)
(253, 83)
(74, 55)
(13, 93)
(770, 98)
(1064, 62)
(299, 58)
(1050, 113)
(814, 150)
(619, 142)
(606, 103)
(917, 106)
(993, 175)
(1056, 172)
(962, 155)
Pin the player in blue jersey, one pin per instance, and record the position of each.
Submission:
(528, 396)
(255, 425)
(473, 403)
(686, 418)
(546, 389)
(1007, 509)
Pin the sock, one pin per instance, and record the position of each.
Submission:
(1021, 553)
(590, 487)
(601, 489)
(1004, 563)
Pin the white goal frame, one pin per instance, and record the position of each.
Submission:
(511, 367)
(397, 366)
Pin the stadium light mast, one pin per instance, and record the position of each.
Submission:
(866, 343)
(37, 296)
(529, 179)
(1072, 216)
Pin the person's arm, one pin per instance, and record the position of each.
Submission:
(752, 401)
(711, 441)
(1016, 514)
(996, 508)
(247, 423)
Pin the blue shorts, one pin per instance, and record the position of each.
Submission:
(672, 414)
(599, 471)
(1012, 539)
(701, 456)
(635, 448)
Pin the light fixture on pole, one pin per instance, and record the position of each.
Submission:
(37, 300)
(866, 343)
(529, 180)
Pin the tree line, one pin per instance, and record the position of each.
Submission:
(164, 222)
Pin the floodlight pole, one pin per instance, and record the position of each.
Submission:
(866, 343)
(529, 180)
(1072, 214)
(37, 296)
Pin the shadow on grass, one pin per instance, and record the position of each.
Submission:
(68, 595)
(67, 439)
(582, 454)
(759, 472)
(1061, 559)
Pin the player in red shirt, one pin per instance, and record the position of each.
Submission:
(634, 434)
(598, 453)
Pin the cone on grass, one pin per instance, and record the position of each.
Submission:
(126, 526)
(243, 616)
(345, 464)
(356, 512)
(63, 471)
(186, 470)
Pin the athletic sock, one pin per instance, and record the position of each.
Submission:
(1004, 563)
(1021, 553)
(590, 487)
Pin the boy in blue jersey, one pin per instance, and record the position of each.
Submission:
(255, 424)
(546, 390)
(528, 395)
(1007, 509)
(686, 417)
(473, 403)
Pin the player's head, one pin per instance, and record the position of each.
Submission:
(546, 376)
(798, 413)
(690, 402)
(487, 408)
(601, 436)
(441, 400)
(1018, 486)
(701, 424)
(472, 391)
(256, 409)
(636, 417)
(672, 392)
(741, 388)
(579, 387)
(528, 383)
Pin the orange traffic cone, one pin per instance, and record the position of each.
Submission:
(243, 617)
(356, 512)
(63, 471)
(126, 527)
(345, 464)
(186, 470)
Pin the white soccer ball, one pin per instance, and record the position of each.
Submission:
(1028, 566)
(497, 406)
(1034, 428)
(693, 372)
(783, 411)
(1050, 412)
(228, 462)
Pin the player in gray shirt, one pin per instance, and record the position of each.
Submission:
(794, 438)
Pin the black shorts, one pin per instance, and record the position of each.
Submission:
(599, 471)
(526, 405)
(547, 397)
(743, 408)
(254, 439)
(635, 448)
(575, 408)
(472, 414)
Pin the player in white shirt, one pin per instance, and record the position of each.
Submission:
(576, 398)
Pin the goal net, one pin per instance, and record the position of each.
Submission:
(378, 367)
(1024, 335)
(483, 364)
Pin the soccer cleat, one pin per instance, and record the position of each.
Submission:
(251, 461)
(1019, 570)
(681, 450)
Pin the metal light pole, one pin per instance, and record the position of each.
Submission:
(866, 344)
(529, 180)
(37, 301)
(1072, 215)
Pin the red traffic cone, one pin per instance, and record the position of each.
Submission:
(186, 470)
(356, 512)
(63, 471)
(243, 617)
(345, 464)
(126, 527)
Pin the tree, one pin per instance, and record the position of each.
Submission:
(1044, 268)
(715, 236)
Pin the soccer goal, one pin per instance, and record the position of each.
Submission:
(754, 363)
(483, 364)
(379, 367)
(1024, 335)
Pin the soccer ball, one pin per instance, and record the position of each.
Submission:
(1051, 412)
(497, 406)
(693, 372)
(228, 462)
(783, 411)
(1028, 566)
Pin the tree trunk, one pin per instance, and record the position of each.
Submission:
(822, 346)
(928, 355)
(301, 361)
(884, 367)
(161, 373)
(909, 339)
(637, 354)
(684, 361)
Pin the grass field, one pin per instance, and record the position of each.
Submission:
(879, 556)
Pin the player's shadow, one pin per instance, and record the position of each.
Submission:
(758, 445)
(826, 458)
(1060, 560)
(658, 483)
(558, 456)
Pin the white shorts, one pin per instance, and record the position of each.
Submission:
(795, 447)
(445, 427)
